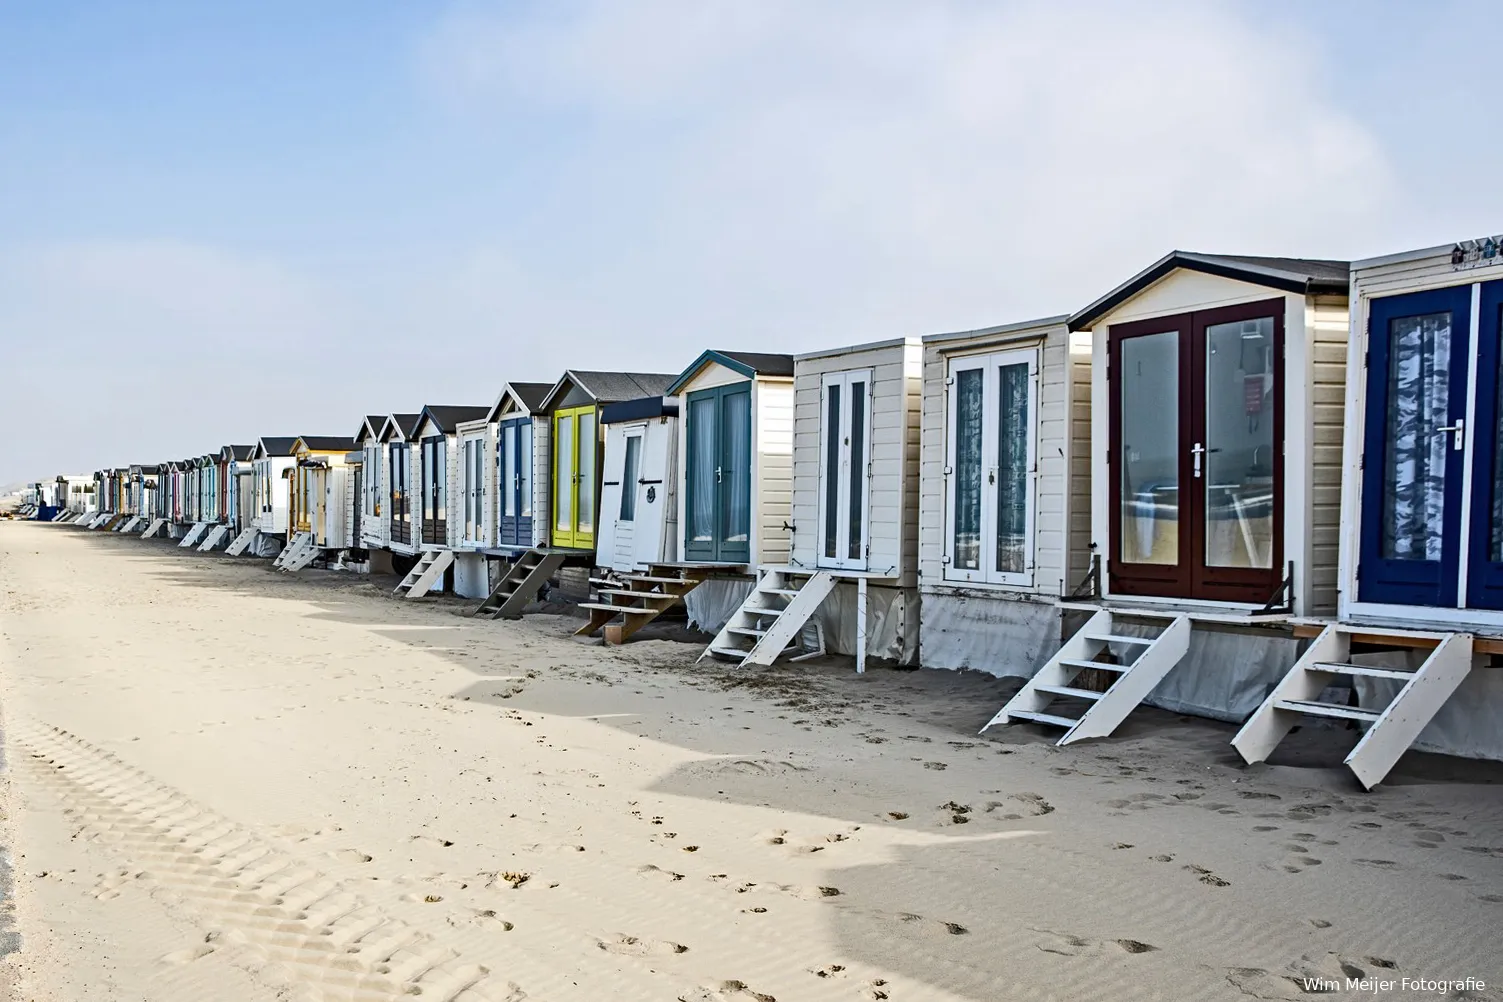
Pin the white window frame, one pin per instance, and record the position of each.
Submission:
(472, 478)
(987, 572)
(844, 379)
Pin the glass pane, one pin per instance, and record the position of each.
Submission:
(1419, 376)
(563, 465)
(587, 445)
(629, 475)
(737, 499)
(524, 468)
(1239, 444)
(967, 477)
(1495, 541)
(832, 468)
(1150, 449)
(441, 475)
(508, 474)
(858, 469)
(702, 468)
(1014, 427)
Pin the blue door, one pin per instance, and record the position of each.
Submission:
(514, 482)
(1417, 519)
(717, 522)
(1485, 538)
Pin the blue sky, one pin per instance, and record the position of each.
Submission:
(228, 220)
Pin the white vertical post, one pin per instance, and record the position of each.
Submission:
(861, 624)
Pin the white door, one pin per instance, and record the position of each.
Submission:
(991, 467)
(625, 504)
(654, 471)
(472, 490)
(845, 450)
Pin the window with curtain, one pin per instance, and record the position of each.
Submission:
(701, 506)
(737, 473)
(1419, 381)
(630, 473)
(588, 441)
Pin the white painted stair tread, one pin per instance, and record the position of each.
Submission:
(1391, 729)
(775, 631)
(1106, 710)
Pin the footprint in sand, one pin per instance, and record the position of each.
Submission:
(631, 946)
(1068, 945)
(726, 991)
(1289, 984)
(351, 856)
(1207, 877)
(654, 871)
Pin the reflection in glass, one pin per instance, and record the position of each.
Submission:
(832, 468)
(1150, 449)
(1239, 444)
(1414, 462)
(1495, 541)
(701, 420)
(629, 475)
(858, 468)
(1012, 468)
(587, 446)
(564, 474)
(967, 478)
(737, 499)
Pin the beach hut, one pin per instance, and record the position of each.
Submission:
(1417, 587)
(437, 467)
(271, 462)
(317, 500)
(371, 531)
(570, 494)
(398, 477)
(1214, 468)
(471, 506)
(523, 474)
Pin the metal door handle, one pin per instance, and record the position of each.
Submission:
(717, 474)
(1460, 429)
(1197, 452)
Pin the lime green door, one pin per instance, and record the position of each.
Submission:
(575, 440)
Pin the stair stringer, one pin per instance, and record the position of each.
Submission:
(1411, 708)
(156, 526)
(1133, 686)
(1054, 672)
(1268, 725)
(194, 535)
(294, 547)
(129, 524)
(302, 557)
(790, 621)
(528, 583)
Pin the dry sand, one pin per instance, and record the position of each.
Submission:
(226, 784)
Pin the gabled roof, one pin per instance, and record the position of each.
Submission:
(528, 398)
(325, 443)
(403, 426)
(273, 447)
(370, 427)
(447, 417)
(750, 364)
(609, 387)
(1286, 274)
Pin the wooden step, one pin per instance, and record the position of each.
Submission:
(1334, 668)
(1098, 665)
(1071, 691)
(1316, 709)
(729, 652)
(1043, 718)
(625, 610)
(650, 579)
(1112, 638)
(638, 594)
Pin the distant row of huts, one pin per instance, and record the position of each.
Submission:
(1268, 490)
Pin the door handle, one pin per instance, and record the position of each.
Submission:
(1197, 452)
(717, 474)
(1460, 429)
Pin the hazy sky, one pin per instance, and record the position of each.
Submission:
(226, 220)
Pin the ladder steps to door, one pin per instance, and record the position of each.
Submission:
(1113, 638)
(653, 579)
(746, 631)
(1317, 709)
(1097, 665)
(1044, 718)
(638, 594)
(521, 583)
(730, 652)
(786, 592)
(775, 631)
(1334, 668)
(620, 610)
(1071, 691)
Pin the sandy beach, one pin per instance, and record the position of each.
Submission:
(228, 784)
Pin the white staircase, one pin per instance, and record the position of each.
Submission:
(520, 585)
(773, 616)
(297, 554)
(129, 524)
(194, 535)
(240, 543)
(1390, 729)
(100, 519)
(425, 573)
(156, 526)
(214, 538)
(1145, 662)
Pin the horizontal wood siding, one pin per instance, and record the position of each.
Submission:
(772, 469)
(1078, 462)
(1057, 531)
(893, 483)
(542, 478)
(1330, 323)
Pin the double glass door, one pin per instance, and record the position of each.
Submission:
(514, 482)
(845, 461)
(435, 490)
(472, 453)
(1432, 465)
(576, 442)
(1197, 454)
(717, 524)
(401, 501)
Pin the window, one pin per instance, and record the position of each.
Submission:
(630, 472)
(845, 462)
(991, 467)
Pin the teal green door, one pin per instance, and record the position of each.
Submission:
(717, 519)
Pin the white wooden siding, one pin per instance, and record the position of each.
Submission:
(1057, 532)
(893, 484)
(772, 469)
